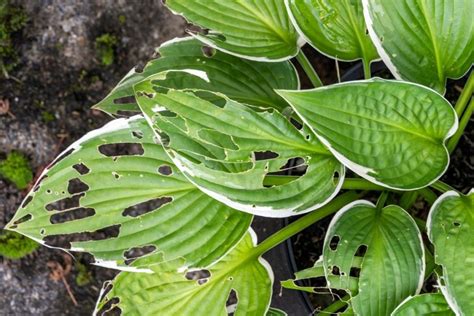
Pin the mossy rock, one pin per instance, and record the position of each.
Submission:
(16, 246)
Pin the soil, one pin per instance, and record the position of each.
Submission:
(58, 79)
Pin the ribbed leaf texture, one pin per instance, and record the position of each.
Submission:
(389, 132)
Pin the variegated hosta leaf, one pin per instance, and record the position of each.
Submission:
(451, 230)
(110, 202)
(168, 290)
(376, 255)
(424, 305)
(334, 27)
(423, 41)
(205, 68)
(391, 133)
(275, 312)
(252, 29)
(217, 147)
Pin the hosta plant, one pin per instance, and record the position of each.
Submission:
(217, 129)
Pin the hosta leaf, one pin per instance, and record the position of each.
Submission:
(169, 291)
(275, 312)
(389, 132)
(218, 147)
(252, 29)
(423, 41)
(110, 202)
(334, 27)
(243, 80)
(424, 305)
(451, 230)
(376, 255)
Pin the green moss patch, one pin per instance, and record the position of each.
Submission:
(16, 246)
(16, 169)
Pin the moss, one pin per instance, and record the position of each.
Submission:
(12, 19)
(16, 169)
(83, 275)
(122, 19)
(16, 246)
(47, 116)
(105, 46)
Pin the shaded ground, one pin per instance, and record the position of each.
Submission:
(59, 78)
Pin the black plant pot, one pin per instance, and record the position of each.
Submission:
(281, 258)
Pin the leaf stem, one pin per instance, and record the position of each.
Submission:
(442, 187)
(367, 70)
(337, 305)
(309, 69)
(453, 141)
(305, 221)
(465, 95)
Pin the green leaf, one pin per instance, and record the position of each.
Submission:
(252, 29)
(275, 312)
(101, 199)
(451, 230)
(425, 304)
(242, 80)
(423, 41)
(167, 290)
(389, 269)
(218, 147)
(391, 133)
(334, 27)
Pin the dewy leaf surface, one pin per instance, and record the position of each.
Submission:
(334, 27)
(451, 230)
(167, 290)
(424, 305)
(114, 203)
(206, 68)
(389, 132)
(223, 150)
(423, 41)
(252, 29)
(375, 255)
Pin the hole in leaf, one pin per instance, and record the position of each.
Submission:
(21, 220)
(335, 270)
(64, 240)
(361, 251)
(198, 275)
(27, 201)
(42, 231)
(121, 149)
(76, 186)
(165, 170)
(457, 224)
(137, 134)
(115, 311)
(208, 51)
(65, 204)
(81, 168)
(125, 100)
(146, 207)
(124, 113)
(136, 252)
(37, 185)
(334, 242)
(108, 307)
(72, 215)
(296, 124)
(355, 272)
(232, 299)
(265, 155)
